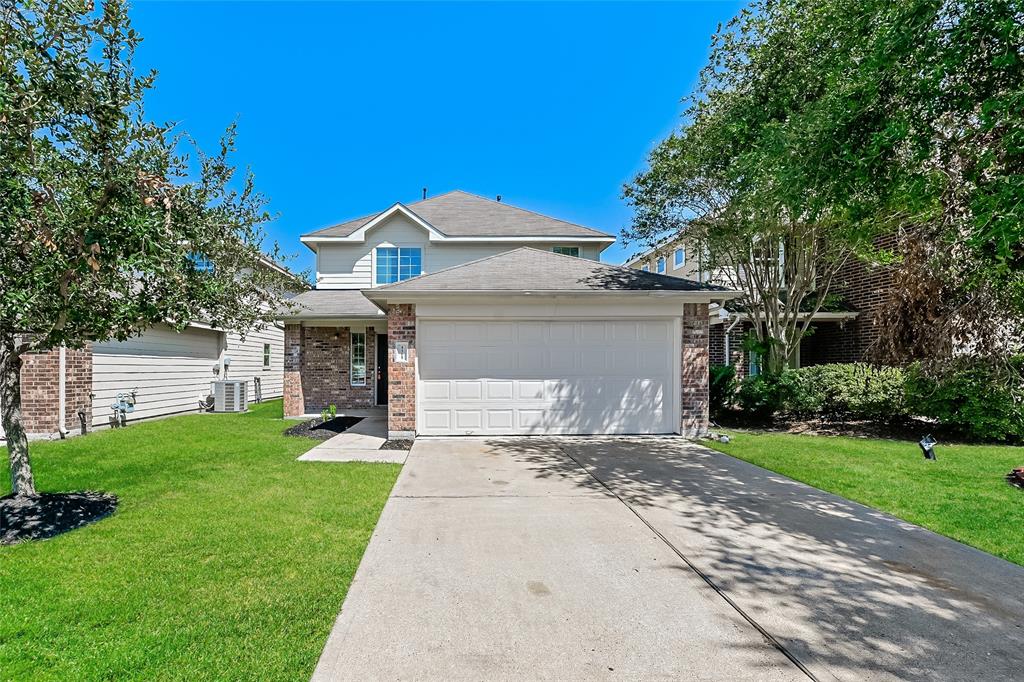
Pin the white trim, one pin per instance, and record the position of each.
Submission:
(313, 239)
(360, 234)
(820, 316)
(390, 296)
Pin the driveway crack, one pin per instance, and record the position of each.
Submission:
(693, 567)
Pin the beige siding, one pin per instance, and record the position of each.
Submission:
(247, 360)
(170, 371)
(351, 266)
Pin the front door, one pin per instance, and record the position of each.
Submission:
(382, 369)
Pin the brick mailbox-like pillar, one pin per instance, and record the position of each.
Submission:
(401, 371)
(694, 398)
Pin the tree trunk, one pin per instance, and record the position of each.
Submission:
(22, 482)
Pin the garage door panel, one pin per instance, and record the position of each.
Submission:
(536, 377)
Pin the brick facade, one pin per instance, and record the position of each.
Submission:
(317, 370)
(40, 391)
(694, 402)
(402, 376)
(716, 346)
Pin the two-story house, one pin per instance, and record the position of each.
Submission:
(841, 332)
(470, 316)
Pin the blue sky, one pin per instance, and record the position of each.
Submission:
(345, 108)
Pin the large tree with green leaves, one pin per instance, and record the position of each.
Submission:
(820, 126)
(108, 228)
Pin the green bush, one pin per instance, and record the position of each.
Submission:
(722, 387)
(760, 396)
(973, 400)
(840, 391)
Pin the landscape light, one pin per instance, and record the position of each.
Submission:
(928, 446)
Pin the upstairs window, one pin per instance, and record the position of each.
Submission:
(266, 356)
(646, 267)
(358, 364)
(680, 258)
(661, 265)
(395, 264)
(567, 250)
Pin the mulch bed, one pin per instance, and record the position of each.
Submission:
(50, 514)
(911, 430)
(323, 430)
(396, 445)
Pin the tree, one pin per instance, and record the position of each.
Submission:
(818, 127)
(107, 228)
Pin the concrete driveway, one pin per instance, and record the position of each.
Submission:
(655, 558)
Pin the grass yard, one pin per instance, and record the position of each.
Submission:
(963, 495)
(226, 558)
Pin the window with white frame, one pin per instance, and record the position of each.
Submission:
(567, 250)
(661, 265)
(266, 356)
(395, 264)
(680, 257)
(358, 359)
(646, 267)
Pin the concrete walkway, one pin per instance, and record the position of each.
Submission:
(513, 558)
(498, 562)
(361, 443)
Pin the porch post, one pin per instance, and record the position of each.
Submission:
(694, 391)
(401, 371)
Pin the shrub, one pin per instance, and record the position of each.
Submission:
(973, 400)
(850, 391)
(760, 396)
(722, 387)
(839, 391)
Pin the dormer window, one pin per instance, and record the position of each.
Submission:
(661, 265)
(395, 264)
(567, 250)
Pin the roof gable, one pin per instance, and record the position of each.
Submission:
(459, 215)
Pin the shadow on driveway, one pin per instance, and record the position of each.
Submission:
(852, 592)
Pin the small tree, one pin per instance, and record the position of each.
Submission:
(107, 229)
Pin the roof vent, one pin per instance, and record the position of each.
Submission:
(498, 198)
(424, 192)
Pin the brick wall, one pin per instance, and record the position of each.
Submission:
(317, 370)
(40, 391)
(402, 377)
(865, 288)
(716, 346)
(695, 361)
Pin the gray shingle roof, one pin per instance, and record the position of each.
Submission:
(330, 303)
(532, 269)
(461, 214)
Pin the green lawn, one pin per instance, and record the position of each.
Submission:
(963, 495)
(226, 559)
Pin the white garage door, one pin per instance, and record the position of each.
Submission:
(545, 377)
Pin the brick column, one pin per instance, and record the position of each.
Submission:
(40, 391)
(401, 376)
(694, 399)
(294, 401)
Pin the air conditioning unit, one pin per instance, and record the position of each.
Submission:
(230, 396)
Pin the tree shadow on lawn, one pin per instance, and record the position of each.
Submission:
(49, 514)
(853, 592)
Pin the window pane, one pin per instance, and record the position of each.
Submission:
(646, 267)
(387, 265)
(680, 258)
(661, 265)
(409, 264)
(266, 355)
(358, 356)
(567, 250)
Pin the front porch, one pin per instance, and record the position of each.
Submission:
(342, 364)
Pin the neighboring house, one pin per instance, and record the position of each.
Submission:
(844, 332)
(467, 316)
(67, 391)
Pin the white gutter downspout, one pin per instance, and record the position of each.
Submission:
(61, 393)
(728, 349)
